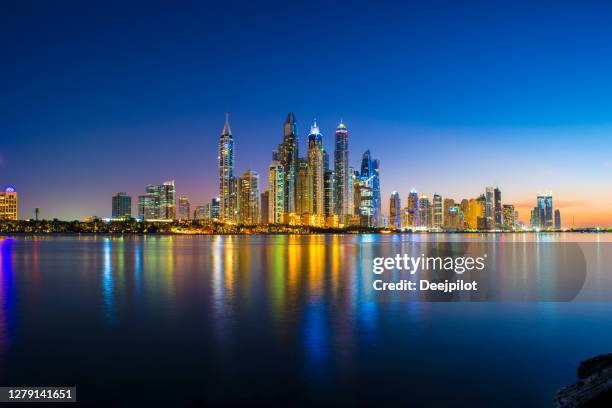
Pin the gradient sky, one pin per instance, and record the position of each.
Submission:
(450, 97)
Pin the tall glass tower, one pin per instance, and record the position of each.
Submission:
(288, 158)
(341, 173)
(226, 173)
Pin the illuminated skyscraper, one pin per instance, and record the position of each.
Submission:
(438, 211)
(288, 158)
(215, 209)
(509, 221)
(341, 173)
(414, 219)
(475, 213)
(276, 182)
(122, 207)
(167, 201)
(448, 222)
(557, 219)
(184, 207)
(316, 171)
(498, 210)
(370, 175)
(249, 198)
(8, 204)
(395, 210)
(425, 213)
(303, 202)
(489, 208)
(226, 173)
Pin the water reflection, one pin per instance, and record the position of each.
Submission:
(301, 302)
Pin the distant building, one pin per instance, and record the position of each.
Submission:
(184, 210)
(438, 211)
(447, 222)
(557, 219)
(202, 212)
(425, 212)
(215, 209)
(489, 208)
(544, 215)
(8, 204)
(412, 217)
(122, 207)
(395, 210)
(509, 217)
(498, 209)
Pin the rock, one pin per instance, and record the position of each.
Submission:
(594, 386)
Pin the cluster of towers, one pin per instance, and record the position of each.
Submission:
(302, 190)
(486, 212)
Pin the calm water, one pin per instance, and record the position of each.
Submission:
(194, 320)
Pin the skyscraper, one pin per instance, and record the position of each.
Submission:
(276, 187)
(425, 212)
(8, 204)
(122, 207)
(545, 211)
(167, 201)
(489, 208)
(370, 176)
(249, 198)
(184, 207)
(341, 173)
(288, 158)
(303, 203)
(509, 221)
(449, 218)
(414, 220)
(498, 210)
(316, 171)
(395, 210)
(438, 211)
(226, 173)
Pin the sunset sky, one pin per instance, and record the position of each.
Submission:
(107, 97)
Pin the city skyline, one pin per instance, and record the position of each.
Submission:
(444, 108)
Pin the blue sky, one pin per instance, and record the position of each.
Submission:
(105, 97)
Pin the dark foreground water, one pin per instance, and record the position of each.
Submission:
(190, 321)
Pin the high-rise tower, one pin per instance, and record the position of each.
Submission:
(288, 158)
(226, 173)
(316, 170)
(341, 173)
